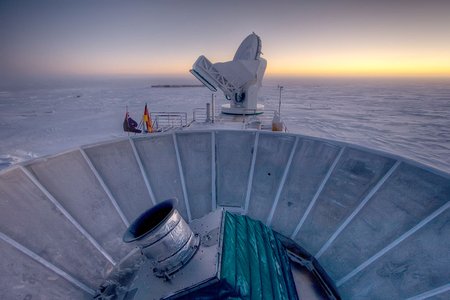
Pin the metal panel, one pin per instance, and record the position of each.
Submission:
(354, 176)
(234, 151)
(404, 200)
(282, 182)
(272, 156)
(356, 211)
(68, 215)
(195, 155)
(419, 264)
(105, 188)
(159, 159)
(213, 172)
(309, 166)
(182, 181)
(23, 278)
(143, 172)
(70, 180)
(119, 170)
(251, 173)
(440, 296)
(29, 218)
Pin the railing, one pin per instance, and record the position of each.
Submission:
(164, 121)
(199, 114)
(167, 120)
(260, 121)
(267, 116)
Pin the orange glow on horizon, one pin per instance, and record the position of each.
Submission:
(382, 62)
(368, 69)
(300, 68)
(339, 64)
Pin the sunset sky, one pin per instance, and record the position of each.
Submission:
(300, 38)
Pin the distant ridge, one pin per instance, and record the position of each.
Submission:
(176, 85)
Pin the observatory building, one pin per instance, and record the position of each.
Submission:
(252, 214)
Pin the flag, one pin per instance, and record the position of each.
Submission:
(125, 123)
(147, 120)
(130, 125)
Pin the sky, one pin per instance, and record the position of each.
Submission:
(299, 38)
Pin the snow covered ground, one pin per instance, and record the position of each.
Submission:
(407, 117)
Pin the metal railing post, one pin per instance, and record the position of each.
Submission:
(213, 107)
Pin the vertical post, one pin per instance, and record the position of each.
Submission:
(213, 107)
(280, 87)
(208, 112)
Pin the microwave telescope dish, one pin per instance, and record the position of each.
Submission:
(239, 79)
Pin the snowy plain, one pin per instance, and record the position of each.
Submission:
(407, 117)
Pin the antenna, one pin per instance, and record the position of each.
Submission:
(239, 79)
(280, 87)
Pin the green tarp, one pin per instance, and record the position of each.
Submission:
(254, 264)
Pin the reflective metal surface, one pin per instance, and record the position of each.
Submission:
(164, 238)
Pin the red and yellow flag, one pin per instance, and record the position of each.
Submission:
(147, 120)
